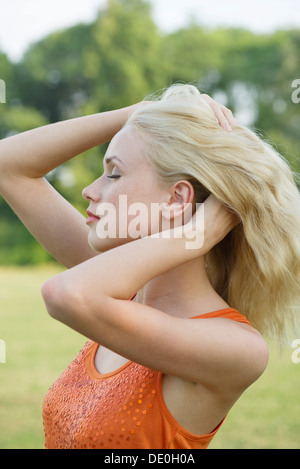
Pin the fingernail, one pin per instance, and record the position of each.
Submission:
(228, 127)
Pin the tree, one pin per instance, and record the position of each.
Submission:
(127, 63)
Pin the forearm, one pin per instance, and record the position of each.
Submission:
(37, 152)
(118, 273)
(121, 272)
(85, 297)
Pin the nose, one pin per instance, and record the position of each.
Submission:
(91, 192)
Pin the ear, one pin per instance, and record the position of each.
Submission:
(178, 207)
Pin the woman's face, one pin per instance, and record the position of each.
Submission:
(128, 179)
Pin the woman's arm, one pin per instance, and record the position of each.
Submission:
(93, 299)
(36, 152)
(27, 157)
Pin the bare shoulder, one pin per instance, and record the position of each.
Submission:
(239, 356)
(233, 358)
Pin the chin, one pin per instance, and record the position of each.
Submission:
(102, 245)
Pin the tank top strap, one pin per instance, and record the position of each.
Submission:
(131, 298)
(227, 313)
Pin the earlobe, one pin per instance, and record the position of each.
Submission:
(168, 216)
(175, 215)
(170, 210)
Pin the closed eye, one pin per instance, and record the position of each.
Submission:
(114, 175)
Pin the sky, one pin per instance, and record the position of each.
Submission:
(25, 21)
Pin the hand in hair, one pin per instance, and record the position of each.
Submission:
(213, 221)
(218, 220)
(222, 113)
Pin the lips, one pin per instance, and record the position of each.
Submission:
(91, 217)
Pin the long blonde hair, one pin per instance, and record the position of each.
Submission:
(256, 268)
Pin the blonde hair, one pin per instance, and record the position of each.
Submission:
(256, 268)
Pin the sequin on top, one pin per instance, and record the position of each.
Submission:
(123, 409)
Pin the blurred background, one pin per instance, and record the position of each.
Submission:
(64, 59)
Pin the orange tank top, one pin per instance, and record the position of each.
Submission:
(123, 409)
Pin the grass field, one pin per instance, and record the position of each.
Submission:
(38, 349)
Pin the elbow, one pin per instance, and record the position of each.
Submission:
(51, 297)
(258, 360)
(57, 298)
(263, 356)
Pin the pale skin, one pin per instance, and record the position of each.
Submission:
(206, 364)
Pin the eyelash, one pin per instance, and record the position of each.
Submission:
(114, 176)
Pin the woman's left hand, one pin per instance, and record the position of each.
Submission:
(209, 225)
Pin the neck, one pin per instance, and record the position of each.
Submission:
(182, 292)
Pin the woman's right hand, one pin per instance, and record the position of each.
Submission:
(222, 113)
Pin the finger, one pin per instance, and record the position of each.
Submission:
(222, 113)
(221, 117)
(229, 116)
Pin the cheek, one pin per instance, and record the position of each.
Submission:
(124, 222)
(135, 212)
(143, 218)
(144, 210)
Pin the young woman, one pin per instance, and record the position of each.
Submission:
(174, 312)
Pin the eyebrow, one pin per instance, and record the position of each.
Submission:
(110, 159)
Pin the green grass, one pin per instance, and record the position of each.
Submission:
(38, 349)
